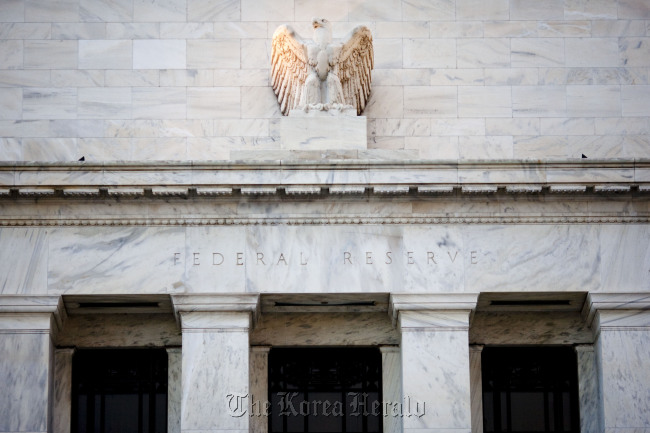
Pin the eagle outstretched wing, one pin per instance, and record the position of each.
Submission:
(289, 67)
(354, 66)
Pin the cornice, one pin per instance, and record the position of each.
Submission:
(80, 180)
(320, 221)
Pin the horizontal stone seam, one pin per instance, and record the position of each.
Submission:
(434, 328)
(212, 330)
(25, 331)
(624, 328)
(44, 222)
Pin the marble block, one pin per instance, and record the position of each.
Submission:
(317, 130)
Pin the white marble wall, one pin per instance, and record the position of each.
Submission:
(339, 258)
(454, 79)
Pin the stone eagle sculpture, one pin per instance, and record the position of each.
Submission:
(319, 74)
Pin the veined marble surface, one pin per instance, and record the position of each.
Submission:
(23, 257)
(335, 258)
(325, 132)
(26, 376)
(435, 371)
(588, 388)
(625, 369)
(324, 329)
(119, 330)
(323, 172)
(529, 328)
(215, 364)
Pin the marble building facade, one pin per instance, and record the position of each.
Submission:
(456, 214)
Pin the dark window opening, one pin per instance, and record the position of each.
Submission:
(119, 391)
(530, 390)
(325, 390)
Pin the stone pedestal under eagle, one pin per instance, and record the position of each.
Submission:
(319, 74)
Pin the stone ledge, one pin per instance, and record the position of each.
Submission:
(163, 179)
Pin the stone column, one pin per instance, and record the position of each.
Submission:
(215, 361)
(435, 361)
(259, 388)
(391, 374)
(621, 323)
(588, 389)
(62, 404)
(28, 327)
(476, 386)
(174, 389)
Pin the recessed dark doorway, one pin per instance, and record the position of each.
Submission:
(325, 390)
(530, 390)
(119, 391)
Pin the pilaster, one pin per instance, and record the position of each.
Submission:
(174, 389)
(588, 389)
(391, 370)
(62, 403)
(435, 361)
(215, 361)
(28, 326)
(259, 388)
(621, 323)
(476, 386)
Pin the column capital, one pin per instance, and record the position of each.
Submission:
(186, 305)
(476, 348)
(440, 302)
(622, 310)
(31, 314)
(582, 348)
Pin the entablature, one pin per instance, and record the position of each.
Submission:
(317, 192)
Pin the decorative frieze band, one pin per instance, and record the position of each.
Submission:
(343, 220)
(312, 190)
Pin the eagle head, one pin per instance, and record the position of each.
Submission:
(320, 22)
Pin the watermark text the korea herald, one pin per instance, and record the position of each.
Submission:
(290, 404)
